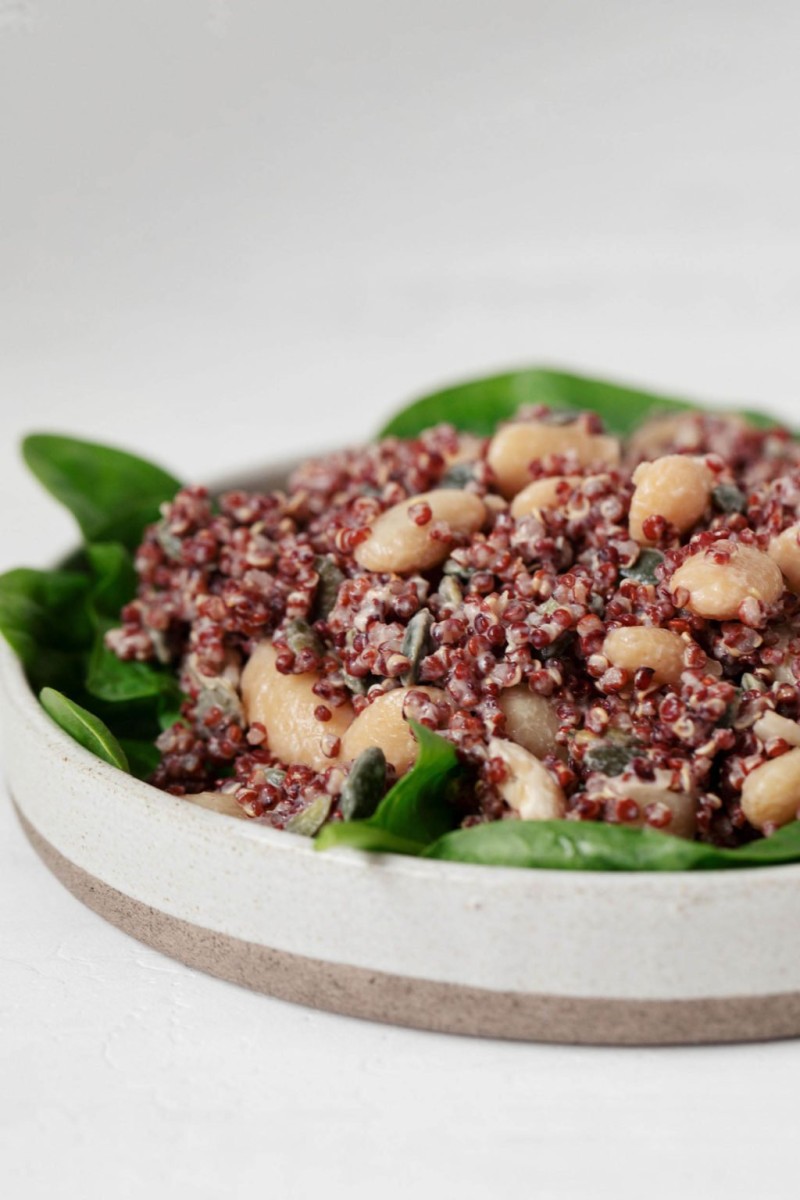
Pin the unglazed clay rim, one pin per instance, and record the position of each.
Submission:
(598, 957)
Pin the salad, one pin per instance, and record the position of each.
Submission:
(540, 621)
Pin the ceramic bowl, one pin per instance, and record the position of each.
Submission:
(590, 957)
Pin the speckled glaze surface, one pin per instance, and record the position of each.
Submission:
(594, 957)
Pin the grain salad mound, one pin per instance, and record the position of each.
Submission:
(604, 630)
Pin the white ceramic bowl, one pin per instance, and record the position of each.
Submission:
(546, 955)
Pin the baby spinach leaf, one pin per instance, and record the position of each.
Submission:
(114, 575)
(593, 846)
(110, 678)
(418, 806)
(363, 835)
(479, 404)
(142, 756)
(416, 811)
(44, 617)
(86, 729)
(113, 495)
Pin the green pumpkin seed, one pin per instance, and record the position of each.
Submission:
(365, 785)
(416, 644)
(611, 756)
(300, 636)
(330, 580)
(310, 820)
(727, 497)
(644, 569)
(455, 569)
(169, 543)
(450, 591)
(458, 476)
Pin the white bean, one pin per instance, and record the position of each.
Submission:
(647, 793)
(784, 549)
(529, 788)
(218, 802)
(717, 589)
(284, 705)
(676, 487)
(772, 725)
(542, 493)
(531, 720)
(631, 647)
(383, 724)
(771, 793)
(514, 447)
(397, 544)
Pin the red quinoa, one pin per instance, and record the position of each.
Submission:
(523, 602)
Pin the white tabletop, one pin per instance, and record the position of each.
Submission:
(231, 231)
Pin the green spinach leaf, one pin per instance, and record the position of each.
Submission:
(114, 578)
(113, 495)
(44, 617)
(413, 813)
(108, 677)
(479, 404)
(593, 846)
(142, 756)
(84, 727)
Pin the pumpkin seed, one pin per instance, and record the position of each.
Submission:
(169, 543)
(300, 636)
(458, 476)
(416, 644)
(215, 691)
(450, 591)
(357, 685)
(310, 820)
(365, 785)
(559, 647)
(727, 497)
(452, 568)
(611, 756)
(327, 593)
(643, 570)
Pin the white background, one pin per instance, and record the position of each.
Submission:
(232, 230)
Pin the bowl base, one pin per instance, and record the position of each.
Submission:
(426, 1004)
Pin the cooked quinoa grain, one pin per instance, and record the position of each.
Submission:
(604, 630)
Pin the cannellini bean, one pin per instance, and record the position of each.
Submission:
(682, 805)
(516, 446)
(542, 493)
(396, 543)
(382, 724)
(285, 704)
(658, 434)
(679, 431)
(771, 793)
(773, 725)
(529, 788)
(676, 487)
(637, 646)
(468, 450)
(217, 802)
(717, 589)
(785, 551)
(531, 720)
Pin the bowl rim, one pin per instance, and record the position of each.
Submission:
(20, 694)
